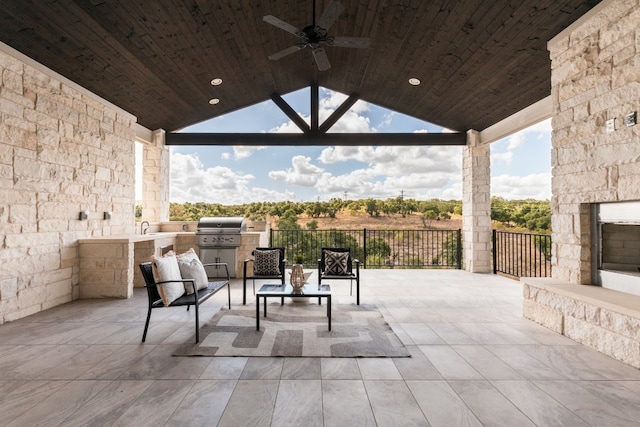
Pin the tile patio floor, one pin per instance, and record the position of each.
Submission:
(475, 362)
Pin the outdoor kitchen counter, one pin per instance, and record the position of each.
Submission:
(135, 237)
(109, 264)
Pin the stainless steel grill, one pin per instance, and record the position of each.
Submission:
(216, 232)
(218, 238)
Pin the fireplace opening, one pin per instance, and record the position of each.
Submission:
(616, 240)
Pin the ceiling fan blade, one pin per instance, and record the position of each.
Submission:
(321, 59)
(285, 52)
(330, 15)
(358, 42)
(280, 24)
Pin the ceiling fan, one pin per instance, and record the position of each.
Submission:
(315, 35)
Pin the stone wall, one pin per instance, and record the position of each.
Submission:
(476, 205)
(62, 150)
(595, 77)
(602, 319)
(156, 163)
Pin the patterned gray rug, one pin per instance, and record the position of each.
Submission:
(297, 330)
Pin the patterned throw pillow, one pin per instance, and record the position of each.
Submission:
(267, 263)
(336, 263)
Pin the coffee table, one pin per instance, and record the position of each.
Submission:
(286, 290)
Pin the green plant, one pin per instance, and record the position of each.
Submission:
(298, 259)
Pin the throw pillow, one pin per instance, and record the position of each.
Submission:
(166, 268)
(266, 263)
(191, 268)
(336, 263)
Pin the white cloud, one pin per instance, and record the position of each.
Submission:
(386, 121)
(534, 186)
(302, 173)
(423, 171)
(192, 182)
(365, 183)
(398, 160)
(287, 127)
(244, 151)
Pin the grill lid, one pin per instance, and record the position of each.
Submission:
(222, 224)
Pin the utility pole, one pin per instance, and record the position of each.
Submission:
(402, 203)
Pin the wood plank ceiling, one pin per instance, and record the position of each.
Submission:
(479, 61)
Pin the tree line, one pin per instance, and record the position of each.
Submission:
(526, 214)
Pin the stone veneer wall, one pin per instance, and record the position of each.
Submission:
(62, 151)
(603, 319)
(595, 77)
(476, 205)
(156, 163)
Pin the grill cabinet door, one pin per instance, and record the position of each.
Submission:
(227, 255)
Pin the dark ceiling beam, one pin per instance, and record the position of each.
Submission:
(339, 112)
(316, 139)
(315, 106)
(290, 112)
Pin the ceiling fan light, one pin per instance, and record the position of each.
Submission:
(414, 81)
(214, 101)
(216, 82)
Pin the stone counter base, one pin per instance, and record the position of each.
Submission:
(603, 319)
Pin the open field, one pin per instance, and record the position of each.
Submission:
(347, 221)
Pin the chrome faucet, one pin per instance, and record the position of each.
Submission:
(144, 230)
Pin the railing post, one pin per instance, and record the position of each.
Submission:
(364, 248)
(495, 251)
(459, 248)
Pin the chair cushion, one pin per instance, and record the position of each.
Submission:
(336, 263)
(267, 262)
(191, 268)
(166, 268)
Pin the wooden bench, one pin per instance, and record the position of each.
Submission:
(195, 299)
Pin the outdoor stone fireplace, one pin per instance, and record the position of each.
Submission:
(615, 239)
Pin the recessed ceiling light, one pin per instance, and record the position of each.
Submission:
(413, 81)
(214, 101)
(216, 82)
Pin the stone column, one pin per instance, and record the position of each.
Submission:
(155, 179)
(476, 205)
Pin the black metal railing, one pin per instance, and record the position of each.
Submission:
(375, 248)
(521, 254)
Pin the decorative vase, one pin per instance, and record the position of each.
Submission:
(297, 278)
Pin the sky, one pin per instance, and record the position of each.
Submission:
(520, 163)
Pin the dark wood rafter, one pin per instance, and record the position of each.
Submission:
(290, 112)
(315, 106)
(315, 134)
(315, 139)
(339, 112)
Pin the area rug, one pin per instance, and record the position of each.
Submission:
(297, 330)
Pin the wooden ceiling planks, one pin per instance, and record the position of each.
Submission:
(482, 67)
(479, 61)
